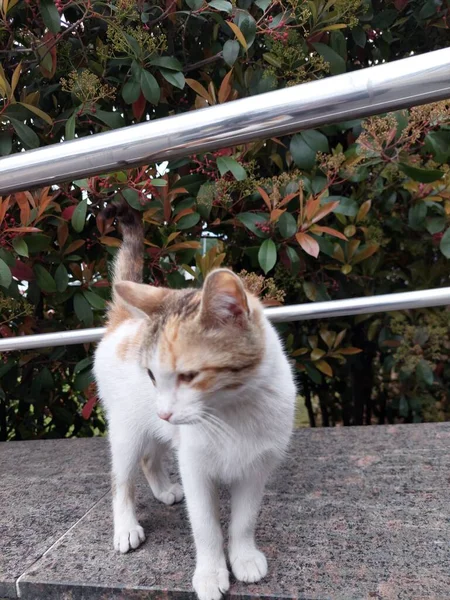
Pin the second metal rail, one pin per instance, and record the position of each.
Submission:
(281, 314)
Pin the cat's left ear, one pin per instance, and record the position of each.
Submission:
(224, 299)
(145, 298)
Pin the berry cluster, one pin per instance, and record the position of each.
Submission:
(279, 36)
(263, 226)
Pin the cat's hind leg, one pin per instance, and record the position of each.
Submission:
(155, 467)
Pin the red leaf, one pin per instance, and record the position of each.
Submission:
(309, 244)
(89, 407)
(68, 212)
(48, 40)
(22, 272)
(329, 230)
(400, 4)
(6, 331)
(22, 230)
(139, 107)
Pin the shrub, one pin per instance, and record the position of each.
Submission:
(357, 208)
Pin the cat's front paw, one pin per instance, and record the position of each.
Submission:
(127, 539)
(249, 565)
(211, 584)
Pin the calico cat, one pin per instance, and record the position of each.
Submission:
(203, 372)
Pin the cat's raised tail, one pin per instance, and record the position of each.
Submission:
(128, 263)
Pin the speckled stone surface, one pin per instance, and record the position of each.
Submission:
(45, 488)
(354, 514)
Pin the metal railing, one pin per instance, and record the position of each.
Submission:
(281, 314)
(401, 84)
(387, 87)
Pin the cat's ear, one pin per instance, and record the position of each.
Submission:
(144, 298)
(223, 299)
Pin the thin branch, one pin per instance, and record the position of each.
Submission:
(203, 63)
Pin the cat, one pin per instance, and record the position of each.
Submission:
(203, 372)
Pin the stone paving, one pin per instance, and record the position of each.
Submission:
(354, 514)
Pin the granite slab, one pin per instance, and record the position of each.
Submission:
(353, 514)
(45, 488)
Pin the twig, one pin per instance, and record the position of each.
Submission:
(204, 62)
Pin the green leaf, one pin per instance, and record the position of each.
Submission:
(435, 224)
(339, 43)
(247, 25)
(384, 19)
(293, 257)
(83, 364)
(83, 378)
(94, 299)
(226, 163)
(337, 63)
(131, 91)
(50, 16)
(263, 4)
(421, 175)
(316, 140)
(5, 143)
(267, 256)
(444, 246)
(428, 10)
(79, 216)
(359, 36)
(158, 182)
(194, 4)
(83, 310)
(188, 221)
(251, 220)
(70, 128)
(133, 198)
(5, 274)
(424, 373)
(346, 206)
(20, 246)
(37, 242)
(150, 87)
(61, 278)
(167, 62)
(221, 5)
(174, 78)
(112, 119)
(230, 51)
(287, 225)
(44, 280)
(26, 134)
(438, 144)
(304, 156)
(313, 373)
(417, 215)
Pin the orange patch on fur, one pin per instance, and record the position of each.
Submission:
(130, 346)
(117, 315)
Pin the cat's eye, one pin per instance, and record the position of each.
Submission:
(152, 377)
(187, 377)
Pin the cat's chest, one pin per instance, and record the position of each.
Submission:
(224, 454)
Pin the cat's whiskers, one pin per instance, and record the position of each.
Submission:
(222, 429)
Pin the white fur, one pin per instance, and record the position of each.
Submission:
(253, 433)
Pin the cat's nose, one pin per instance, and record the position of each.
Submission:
(165, 416)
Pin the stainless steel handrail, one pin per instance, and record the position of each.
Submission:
(296, 312)
(403, 83)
